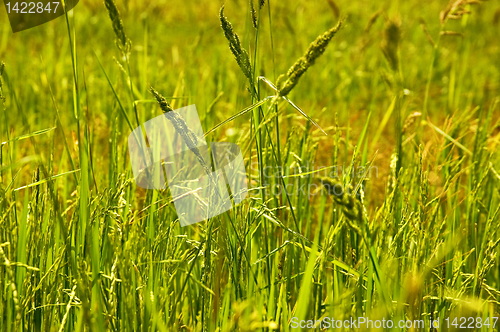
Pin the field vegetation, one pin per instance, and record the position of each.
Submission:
(370, 133)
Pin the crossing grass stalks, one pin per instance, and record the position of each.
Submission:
(82, 248)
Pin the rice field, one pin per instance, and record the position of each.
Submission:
(369, 132)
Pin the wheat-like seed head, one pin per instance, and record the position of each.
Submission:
(182, 128)
(287, 82)
(240, 54)
(351, 206)
(496, 17)
(390, 43)
(455, 10)
(122, 41)
(162, 101)
(254, 14)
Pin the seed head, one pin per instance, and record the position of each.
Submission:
(182, 128)
(121, 41)
(335, 8)
(240, 54)
(456, 9)
(287, 82)
(254, 14)
(496, 17)
(390, 43)
(351, 206)
(164, 105)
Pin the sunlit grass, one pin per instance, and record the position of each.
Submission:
(373, 179)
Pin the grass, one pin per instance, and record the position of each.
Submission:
(373, 179)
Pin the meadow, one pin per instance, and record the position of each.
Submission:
(370, 134)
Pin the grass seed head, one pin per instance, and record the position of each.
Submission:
(287, 82)
(164, 105)
(254, 14)
(182, 128)
(456, 9)
(390, 43)
(496, 17)
(178, 122)
(335, 8)
(240, 54)
(122, 41)
(343, 196)
(372, 20)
